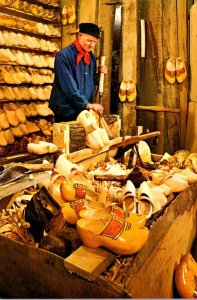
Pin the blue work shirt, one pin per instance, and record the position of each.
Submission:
(73, 86)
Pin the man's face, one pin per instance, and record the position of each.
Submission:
(87, 41)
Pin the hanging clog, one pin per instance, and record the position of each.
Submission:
(170, 70)
(181, 71)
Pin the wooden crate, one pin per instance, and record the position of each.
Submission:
(28, 272)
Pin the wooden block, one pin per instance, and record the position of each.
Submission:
(69, 136)
(89, 263)
(59, 135)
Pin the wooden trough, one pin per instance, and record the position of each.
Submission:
(28, 272)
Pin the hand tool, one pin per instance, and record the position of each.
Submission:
(13, 173)
(153, 50)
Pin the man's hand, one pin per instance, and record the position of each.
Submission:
(96, 107)
(102, 69)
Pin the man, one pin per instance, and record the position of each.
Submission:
(75, 69)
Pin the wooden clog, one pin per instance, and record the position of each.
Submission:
(17, 131)
(71, 15)
(4, 124)
(9, 136)
(185, 281)
(3, 141)
(145, 204)
(11, 115)
(170, 70)
(116, 234)
(64, 15)
(71, 210)
(181, 71)
(105, 214)
(131, 90)
(123, 91)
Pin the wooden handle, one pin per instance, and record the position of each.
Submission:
(102, 75)
(143, 38)
(135, 139)
(151, 39)
(105, 125)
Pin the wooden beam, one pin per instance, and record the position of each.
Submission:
(158, 108)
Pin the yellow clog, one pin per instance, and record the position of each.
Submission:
(123, 91)
(181, 71)
(72, 210)
(117, 235)
(131, 91)
(71, 16)
(72, 191)
(170, 70)
(185, 281)
(191, 263)
(105, 214)
(64, 15)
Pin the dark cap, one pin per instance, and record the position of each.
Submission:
(90, 28)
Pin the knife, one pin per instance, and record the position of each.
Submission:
(13, 173)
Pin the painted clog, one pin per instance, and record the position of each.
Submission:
(105, 214)
(116, 235)
(123, 91)
(181, 71)
(131, 91)
(170, 70)
(72, 210)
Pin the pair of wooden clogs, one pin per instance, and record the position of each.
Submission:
(110, 227)
(127, 91)
(147, 200)
(96, 137)
(68, 14)
(175, 70)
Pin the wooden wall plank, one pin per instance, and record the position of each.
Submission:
(129, 62)
(193, 51)
(152, 12)
(182, 52)
(191, 140)
(171, 95)
(105, 21)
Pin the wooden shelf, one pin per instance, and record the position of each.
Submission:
(43, 4)
(27, 16)
(24, 49)
(37, 35)
(19, 146)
